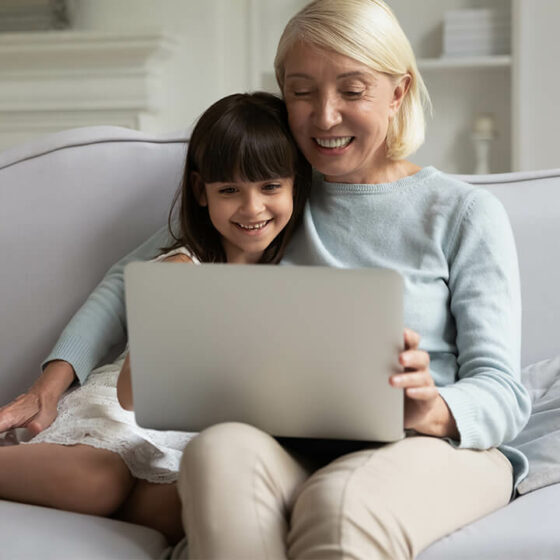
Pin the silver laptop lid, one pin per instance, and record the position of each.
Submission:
(295, 351)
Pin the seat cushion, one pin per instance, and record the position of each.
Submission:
(525, 529)
(31, 532)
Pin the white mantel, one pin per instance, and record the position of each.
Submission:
(63, 79)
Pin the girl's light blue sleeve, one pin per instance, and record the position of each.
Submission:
(488, 402)
(100, 323)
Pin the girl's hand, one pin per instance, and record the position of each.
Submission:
(37, 409)
(424, 409)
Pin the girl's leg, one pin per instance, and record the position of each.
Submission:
(394, 501)
(154, 505)
(237, 486)
(76, 478)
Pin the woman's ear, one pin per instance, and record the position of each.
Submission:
(199, 190)
(400, 90)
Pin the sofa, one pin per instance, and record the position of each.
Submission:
(72, 203)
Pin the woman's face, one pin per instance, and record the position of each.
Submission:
(339, 112)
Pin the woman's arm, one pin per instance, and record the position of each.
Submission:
(100, 323)
(37, 408)
(488, 401)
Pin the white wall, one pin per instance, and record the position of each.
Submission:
(225, 46)
(537, 83)
(211, 59)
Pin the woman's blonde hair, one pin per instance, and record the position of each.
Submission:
(368, 32)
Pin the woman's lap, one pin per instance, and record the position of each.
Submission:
(389, 501)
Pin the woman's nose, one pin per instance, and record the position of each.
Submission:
(327, 112)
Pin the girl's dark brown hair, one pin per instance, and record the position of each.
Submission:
(242, 137)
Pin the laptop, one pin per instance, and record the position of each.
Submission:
(297, 351)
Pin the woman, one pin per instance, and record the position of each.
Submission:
(354, 99)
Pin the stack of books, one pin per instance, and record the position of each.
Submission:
(476, 32)
(33, 15)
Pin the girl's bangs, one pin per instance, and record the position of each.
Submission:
(247, 151)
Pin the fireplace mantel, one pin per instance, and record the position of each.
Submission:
(62, 79)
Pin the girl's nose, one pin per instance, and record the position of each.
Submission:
(327, 112)
(253, 204)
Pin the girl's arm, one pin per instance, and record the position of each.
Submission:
(124, 388)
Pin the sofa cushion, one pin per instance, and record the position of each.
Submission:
(540, 439)
(31, 532)
(527, 528)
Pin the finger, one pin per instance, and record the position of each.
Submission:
(42, 420)
(414, 359)
(416, 379)
(411, 339)
(422, 393)
(17, 413)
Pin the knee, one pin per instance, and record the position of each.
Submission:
(222, 442)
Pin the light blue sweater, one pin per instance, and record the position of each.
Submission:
(454, 247)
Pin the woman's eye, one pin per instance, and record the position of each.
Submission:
(227, 190)
(353, 93)
(301, 93)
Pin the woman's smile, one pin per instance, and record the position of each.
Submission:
(333, 145)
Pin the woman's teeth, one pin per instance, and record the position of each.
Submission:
(260, 225)
(334, 142)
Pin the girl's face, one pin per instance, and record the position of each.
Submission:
(339, 112)
(249, 215)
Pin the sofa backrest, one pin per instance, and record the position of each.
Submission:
(73, 203)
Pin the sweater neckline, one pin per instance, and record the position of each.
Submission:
(379, 188)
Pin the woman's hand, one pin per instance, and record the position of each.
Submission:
(37, 409)
(424, 409)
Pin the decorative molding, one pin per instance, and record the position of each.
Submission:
(80, 77)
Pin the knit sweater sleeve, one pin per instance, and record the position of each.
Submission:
(101, 322)
(488, 402)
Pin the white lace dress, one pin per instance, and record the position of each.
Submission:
(91, 415)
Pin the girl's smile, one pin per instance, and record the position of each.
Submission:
(254, 229)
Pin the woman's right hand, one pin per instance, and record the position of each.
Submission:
(37, 408)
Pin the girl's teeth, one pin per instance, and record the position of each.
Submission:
(254, 226)
(334, 142)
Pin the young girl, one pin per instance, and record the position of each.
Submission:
(244, 188)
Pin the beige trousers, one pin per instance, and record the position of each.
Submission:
(246, 497)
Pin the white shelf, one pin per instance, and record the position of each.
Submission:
(463, 63)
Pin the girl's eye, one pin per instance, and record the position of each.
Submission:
(271, 187)
(227, 190)
(301, 93)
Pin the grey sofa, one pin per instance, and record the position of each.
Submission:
(72, 203)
